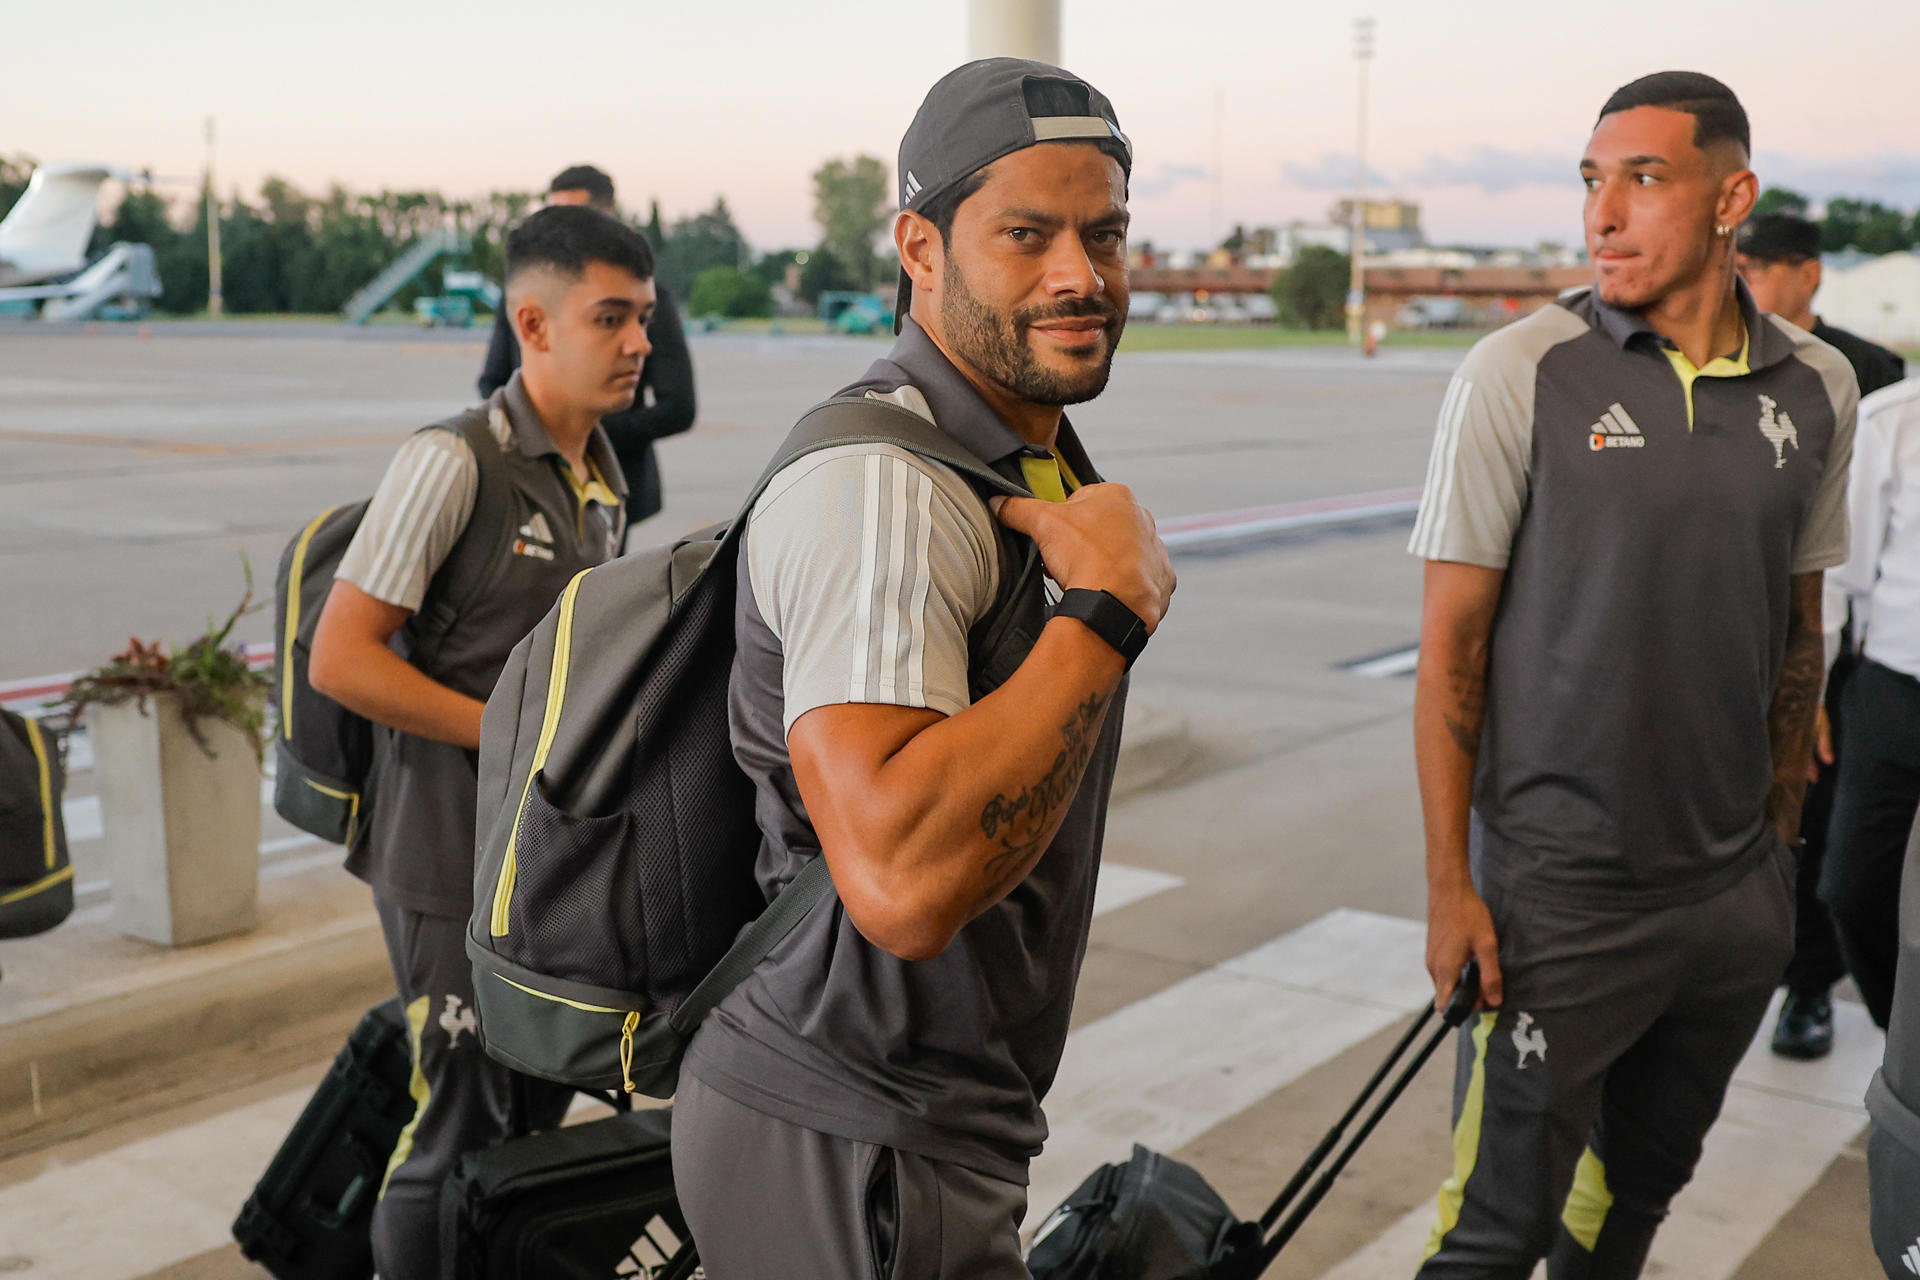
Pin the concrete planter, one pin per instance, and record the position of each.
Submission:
(182, 827)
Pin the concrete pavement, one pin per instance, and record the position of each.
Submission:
(130, 471)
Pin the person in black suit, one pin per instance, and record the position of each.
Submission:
(1779, 255)
(664, 404)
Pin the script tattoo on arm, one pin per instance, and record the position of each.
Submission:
(1023, 824)
(1796, 698)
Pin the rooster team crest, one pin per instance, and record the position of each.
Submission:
(458, 1019)
(1529, 1039)
(1779, 430)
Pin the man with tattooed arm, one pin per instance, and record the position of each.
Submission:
(1632, 497)
(867, 1101)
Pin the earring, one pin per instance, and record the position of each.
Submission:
(1721, 231)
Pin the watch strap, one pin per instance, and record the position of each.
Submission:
(1107, 617)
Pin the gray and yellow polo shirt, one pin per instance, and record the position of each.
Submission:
(1649, 516)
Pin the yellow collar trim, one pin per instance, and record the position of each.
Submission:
(1718, 367)
(1050, 479)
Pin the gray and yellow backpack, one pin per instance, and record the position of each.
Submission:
(323, 753)
(36, 879)
(614, 894)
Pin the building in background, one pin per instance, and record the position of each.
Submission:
(1876, 297)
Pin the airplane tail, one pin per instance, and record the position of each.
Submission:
(45, 234)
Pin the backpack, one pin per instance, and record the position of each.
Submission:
(323, 753)
(615, 901)
(36, 878)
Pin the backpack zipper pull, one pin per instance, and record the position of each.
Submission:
(626, 1049)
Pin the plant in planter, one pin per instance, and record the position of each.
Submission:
(177, 741)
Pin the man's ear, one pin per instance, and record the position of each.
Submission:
(920, 248)
(1811, 268)
(1738, 192)
(530, 322)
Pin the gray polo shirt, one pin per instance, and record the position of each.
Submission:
(1649, 517)
(861, 578)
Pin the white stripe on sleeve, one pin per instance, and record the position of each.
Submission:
(869, 541)
(1435, 505)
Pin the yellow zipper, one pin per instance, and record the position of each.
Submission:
(66, 873)
(628, 1025)
(294, 574)
(47, 798)
(626, 1051)
(549, 726)
(353, 804)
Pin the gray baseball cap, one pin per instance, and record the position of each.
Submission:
(988, 109)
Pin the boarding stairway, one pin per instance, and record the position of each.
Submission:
(401, 271)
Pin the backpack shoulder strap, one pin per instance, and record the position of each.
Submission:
(848, 420)
(469, 565)
(755, 943)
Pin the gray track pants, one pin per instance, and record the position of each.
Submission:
(1580, 1106)
(767, 1200)
(462, 1097)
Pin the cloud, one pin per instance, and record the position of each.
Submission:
(1332, 171)
(1891, 177)
(1165, 178)
(1496, 171)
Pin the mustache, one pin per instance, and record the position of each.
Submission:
(1071, 309)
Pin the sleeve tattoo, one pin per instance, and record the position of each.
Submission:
(1795, 699)
(1024, 823)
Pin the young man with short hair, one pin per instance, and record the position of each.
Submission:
(1779, 258)
(867, 1101)
(664, 404)
(1632, 496)
(580, 292)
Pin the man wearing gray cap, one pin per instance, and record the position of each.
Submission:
(867, 1101)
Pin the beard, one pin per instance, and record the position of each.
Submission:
(995, 343)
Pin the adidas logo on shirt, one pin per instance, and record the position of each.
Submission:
(1911, 1258)
(1615, 430)
(536, 538)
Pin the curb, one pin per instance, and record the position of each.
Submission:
(203, 1020)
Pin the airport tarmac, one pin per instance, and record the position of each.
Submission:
(1261, 947)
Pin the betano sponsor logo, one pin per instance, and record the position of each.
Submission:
(1615, 430)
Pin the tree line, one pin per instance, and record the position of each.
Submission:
(285, 250)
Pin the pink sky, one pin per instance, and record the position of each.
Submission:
(1479, 110)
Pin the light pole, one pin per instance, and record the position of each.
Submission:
(213, 233)
(1356, 280)
(1014, 29)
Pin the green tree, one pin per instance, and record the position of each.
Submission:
(1883, 230)
(13, 180)
(1780, 200)
(730, 292)
(693, 244)
(823, 272)
(1312, 293)
(772, 267)
(851, 202)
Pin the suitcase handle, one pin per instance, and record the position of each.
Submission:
(363, 1183)
(1466, 998)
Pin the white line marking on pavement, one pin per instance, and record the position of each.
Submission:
(1400, 662)
(1122, 886)
(177, 1192)
(1783, 1124)
(1168, 1068)
(170, 1196)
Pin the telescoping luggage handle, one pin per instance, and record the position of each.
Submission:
(1466, 996)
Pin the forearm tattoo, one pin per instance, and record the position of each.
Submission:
(1023, 823)
(1467, 707)
(1796, 698)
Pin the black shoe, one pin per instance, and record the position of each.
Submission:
(1805, 1030)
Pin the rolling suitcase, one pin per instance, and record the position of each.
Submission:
(583, 1202)
(310, 1216)
(1154, 1218)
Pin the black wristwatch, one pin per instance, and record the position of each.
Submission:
(1108, 618)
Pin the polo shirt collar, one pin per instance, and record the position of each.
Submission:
(1763, 344)
(531, 438)
(960, 411)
